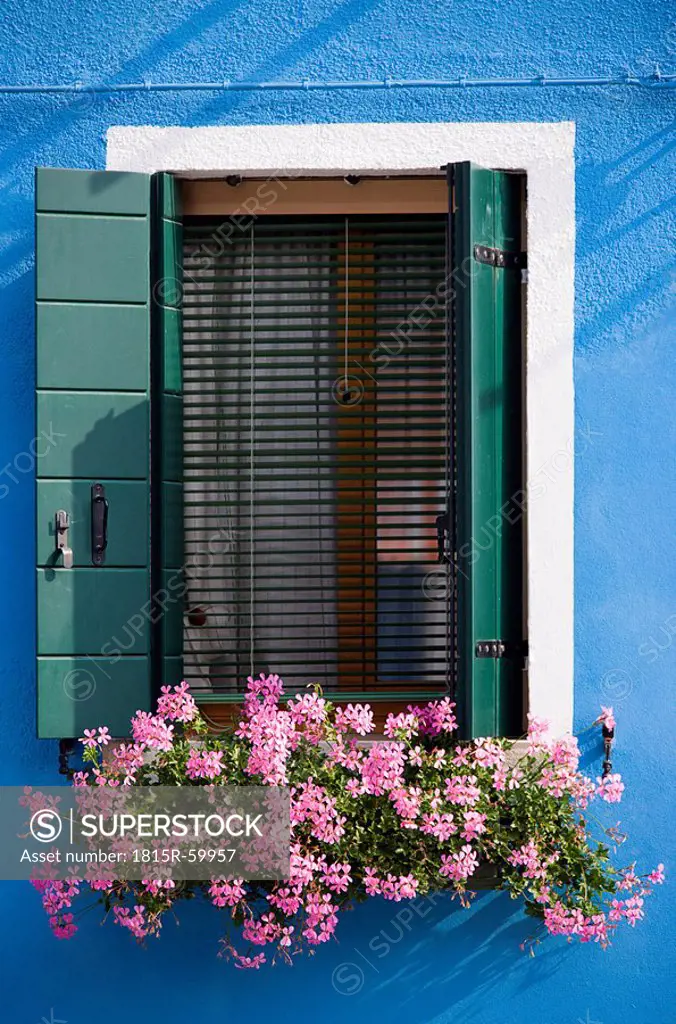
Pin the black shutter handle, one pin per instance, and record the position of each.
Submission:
(99, 523)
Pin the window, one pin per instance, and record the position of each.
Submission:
(310, 472)
(316, 455)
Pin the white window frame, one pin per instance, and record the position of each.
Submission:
(545, 151)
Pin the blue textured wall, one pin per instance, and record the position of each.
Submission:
(444, 964)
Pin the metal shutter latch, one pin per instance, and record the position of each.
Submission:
(61, 525)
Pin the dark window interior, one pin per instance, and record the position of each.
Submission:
(316, 439)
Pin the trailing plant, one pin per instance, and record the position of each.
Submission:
(398, 817)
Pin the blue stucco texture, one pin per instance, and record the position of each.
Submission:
(444, 965)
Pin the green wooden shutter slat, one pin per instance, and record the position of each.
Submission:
(107, 346)
(111, 602)
(172, 331)
(93, 353)
(129, 500)
(78, 693)
(489, 545)
(96, 434)
(91, 258)
(106, 192)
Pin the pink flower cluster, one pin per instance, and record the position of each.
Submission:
(137, 923)
(383, 768)
(96, 737)
(562, 920)
(452, 803)
(571, 922)
(461, 865)
(529, 858)
(355, 718)
(610, 788)
(152, 731)
(227, 893)
(435, 718)
(313, 804)
(270, 731)
(57, 896)
(337, 877)
(204, 764)
(126, 760)
(308, 713)
(607, 718)
(462, 790)
(177, 704)
(392, 887)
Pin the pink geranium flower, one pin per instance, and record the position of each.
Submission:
(610, 788)
(606, 718)
(90, 738)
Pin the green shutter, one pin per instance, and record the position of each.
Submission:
(93, 233)
(167, 426)
(486, 212)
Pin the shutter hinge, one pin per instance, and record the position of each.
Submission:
(499, 257)
(500, 649)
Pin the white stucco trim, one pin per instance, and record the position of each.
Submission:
(545, 152)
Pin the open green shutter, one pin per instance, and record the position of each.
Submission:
(93, 243)
(487, 260)
(167, 560)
